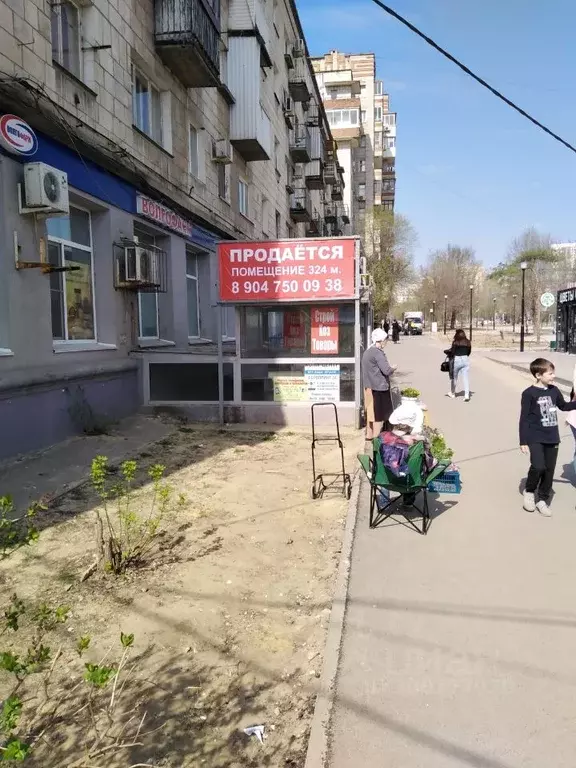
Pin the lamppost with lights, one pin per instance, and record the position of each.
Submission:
(431, 319)
(445, 309)
(523, 267)
(494, 315)
(513, 313)
(471, 295)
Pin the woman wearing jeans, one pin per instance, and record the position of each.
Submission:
(459, 354)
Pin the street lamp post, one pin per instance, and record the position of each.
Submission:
(494, 315)
(523, 267)
(471, 295)
(431, 319)
(433, 311)
(513, 313)
(445, 308)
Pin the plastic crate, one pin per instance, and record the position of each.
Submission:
(449, 482)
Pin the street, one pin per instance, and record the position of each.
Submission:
(458, 647)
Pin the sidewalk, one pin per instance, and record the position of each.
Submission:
(521, 361)
(458, 648)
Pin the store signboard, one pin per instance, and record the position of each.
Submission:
(294, 329)
(323, 383)
(287, 270)
(324, 331)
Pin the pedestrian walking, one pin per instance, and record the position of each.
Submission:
(395, 331)
(539, 434)
(459, 355)
(386, 326)
(376, 373)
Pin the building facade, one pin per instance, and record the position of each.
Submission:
(134, 136)
(358, 111)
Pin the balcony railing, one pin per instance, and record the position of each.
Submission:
(300, 205)
(300, 144)
(187, 41)
(298, 80)
(314, 174)
(337, 191)
(330, 175)
(345, 214)
(314, 225)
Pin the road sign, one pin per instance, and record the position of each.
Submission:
(547, 300)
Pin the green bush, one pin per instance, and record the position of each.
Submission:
(410, 392)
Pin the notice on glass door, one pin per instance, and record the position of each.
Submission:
(323, 383)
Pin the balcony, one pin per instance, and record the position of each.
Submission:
(330, 175)
(247, 18)
(331, 213)
(314, 227)
(345, 214)
(300, 205)
(312, 115)
(314, 174)
(250, 127)
(337, 191)
(300, 144)
(298, 80)
(187, 39)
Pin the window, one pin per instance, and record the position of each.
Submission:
(377, 188)
(148, 320)
(378, 87)
(389, 119)
(341, 118)
(192, 294)
(71, 293)
(378, 140)
(378, 114)
(363, 116)
(361, 191)
(388, 205)
(389, 142)
(224, 181)
(242, 197)
(146, 107)
(193, 154)
(66, 37)
(362, 166)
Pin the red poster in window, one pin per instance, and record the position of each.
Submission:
(324, 331)
(294, 330)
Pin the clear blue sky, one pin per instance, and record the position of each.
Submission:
(470, 170)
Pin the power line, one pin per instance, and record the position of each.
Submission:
(468, 71)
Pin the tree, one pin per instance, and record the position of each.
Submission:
(449, 272)
(390, 243)
(544, 271)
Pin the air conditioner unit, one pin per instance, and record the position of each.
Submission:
(223, 152)
(299, 49)
(139, 267)
(45, 189)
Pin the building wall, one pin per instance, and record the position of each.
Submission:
(85, 125)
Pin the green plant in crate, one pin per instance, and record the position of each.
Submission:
(438, 445)
(410, 392)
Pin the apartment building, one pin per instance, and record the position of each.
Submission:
(358, 111)
(134, 136)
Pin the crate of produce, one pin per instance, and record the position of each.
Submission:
(449, 482)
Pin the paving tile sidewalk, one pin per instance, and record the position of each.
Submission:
(521, 361)
(458, 647)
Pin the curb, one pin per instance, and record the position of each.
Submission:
(317, 752)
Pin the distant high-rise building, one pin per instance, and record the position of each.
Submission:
(358, 111)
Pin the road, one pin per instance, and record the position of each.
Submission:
(458, 647)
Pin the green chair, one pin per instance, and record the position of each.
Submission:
(408, 488)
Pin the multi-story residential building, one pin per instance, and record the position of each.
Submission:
(358, 111)
(143, 132)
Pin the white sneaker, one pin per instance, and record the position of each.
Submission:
(467, 399)
(529, 501)
(450, 394)
(544, 509)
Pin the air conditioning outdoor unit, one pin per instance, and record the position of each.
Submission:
(45, 189)
(289, 112)
(223, 152)
(139, 267)
(299, 48)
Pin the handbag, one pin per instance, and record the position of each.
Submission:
(445, 366)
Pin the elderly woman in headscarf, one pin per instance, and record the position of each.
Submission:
(376, 373)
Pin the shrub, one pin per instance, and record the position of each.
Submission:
(43, 703)
(15, 531)
(125, 533)
(410, 392)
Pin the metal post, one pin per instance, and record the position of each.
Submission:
(514, 313)
(494, 315)
(445, 309)
(220, 328)
(433, 311)
(522, 306)
(471, 295)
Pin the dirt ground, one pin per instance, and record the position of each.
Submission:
(230, 613)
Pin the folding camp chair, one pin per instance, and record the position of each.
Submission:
(383, 482)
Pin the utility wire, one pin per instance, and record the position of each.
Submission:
(468, 71)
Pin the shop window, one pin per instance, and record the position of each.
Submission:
(148, 316)
(287, 332)
(71, 293)
(66, 37)
(146, 107)
(189, 382)
(258, 382)
(192, 294)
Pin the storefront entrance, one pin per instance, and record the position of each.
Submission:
(566, 321)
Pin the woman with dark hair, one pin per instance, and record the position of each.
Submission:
(459, 354)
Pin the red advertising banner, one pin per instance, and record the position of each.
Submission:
(294, 330)
(287, 270)
(324, 331)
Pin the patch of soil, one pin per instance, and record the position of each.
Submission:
(229, 612)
